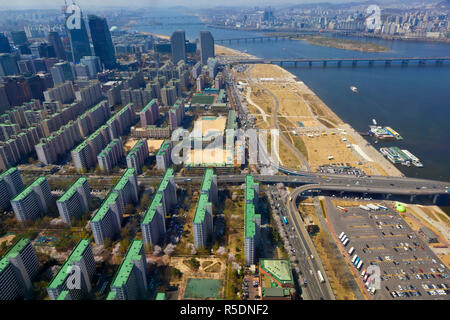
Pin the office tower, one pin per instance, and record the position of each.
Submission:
(17, 269)
(79, 42)
(137, 156)
(163, 155)
(213, 64)
(203, 219)
(206, 46)
(252, 220)
(150, 114)
(55, 41)
(82, 71)
(101, 39)
(111, 155)
(80, 262)
(75, 201)
(178, 43)
(93, 64)
(8, 65)
(154, 223)
(5, 47)
(168, 95)
(10, 185)
(130, 282)
(19, 37)
(33, 200)
(62, 72)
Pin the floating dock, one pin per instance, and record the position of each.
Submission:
(385, 133)
(398, 156)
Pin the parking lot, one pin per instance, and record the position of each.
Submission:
(408, 267)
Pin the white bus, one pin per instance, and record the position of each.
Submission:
(373, 207)
(350, 252)
(364, 207)
(345, 242)
(359, 265)
(341, 235)
(320, 276)
(354, 258)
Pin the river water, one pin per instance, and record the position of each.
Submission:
(413, 100)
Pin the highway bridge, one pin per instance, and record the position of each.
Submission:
(339, 61)
(434, 191)
(253, 39)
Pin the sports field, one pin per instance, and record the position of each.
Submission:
(197, 288)
(203, 99)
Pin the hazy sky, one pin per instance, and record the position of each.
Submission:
(44, 4)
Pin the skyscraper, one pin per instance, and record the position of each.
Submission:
(206, 46)
(8, 65)
(5, 47)
(55, 40)
(79, 42)
(19, 37)
(178, 42)
(101, 38)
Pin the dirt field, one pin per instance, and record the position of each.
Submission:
(209, 156)
(209, 125)
(7, 239)
(153, 145)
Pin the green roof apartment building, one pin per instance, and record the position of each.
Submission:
(277, 281)
(108, 218)
(130, 282)
(33, 201)
(154, 223)
(176, 114)
(203, 218)
(138, 155)
(163, 156)
(10, 185)
(75, 201)
(65, 285)
(110, 157)
(17, 269)
(252, 220)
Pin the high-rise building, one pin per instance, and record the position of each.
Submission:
(106, 221)
(150, 114)
(203, 218)
(75, 201)
(176, 114)
(101, 39)
(33, 200)
(111, 155)
(93, 64)
(130, 282)
(5, 46)
(206, 46)
(137, 156)
(154, 223)
(10, 185)
(62, 72)
(8, 65)
(252, 220)
(55, 41)
(168, 95)
(17, 269)
(163, 156)
(213, 65)
(79, 42)
(178, 43)
(19, 37)
(80, 263)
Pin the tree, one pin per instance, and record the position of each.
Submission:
(107, 242)
(176, 273)
(129, 208)
(124, 244)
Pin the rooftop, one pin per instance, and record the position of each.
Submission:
(8, 172)
(133, 254)
(279, 269)
(156, 202)
(124, 179)
(164, 147)
(110, 199)
(207, 179)
(72, 189)
(165, 180)
(29, 189)
(76, 255)
(200, 211)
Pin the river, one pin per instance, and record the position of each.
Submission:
(413, 100)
